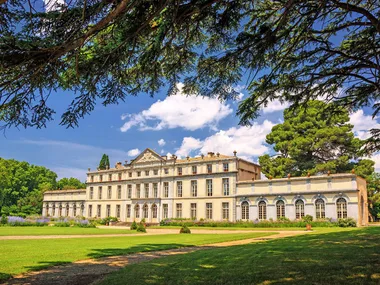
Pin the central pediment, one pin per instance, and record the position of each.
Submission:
(148, 155)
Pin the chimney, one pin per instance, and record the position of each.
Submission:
(210, 154)
(125, 162)
(217, 154)
(89, 169)
(188, 157)
(235, 152)
(118, 165)
(202, 155)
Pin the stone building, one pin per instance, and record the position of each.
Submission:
(212, 186)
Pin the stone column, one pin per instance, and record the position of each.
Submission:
(44, 209)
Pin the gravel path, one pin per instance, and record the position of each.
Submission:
(149, 232)
(91, 271)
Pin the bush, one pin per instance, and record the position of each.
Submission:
(307, 219)
(4, 219)
(141, 228)
(346, 223)
(106, 221)
(62, 224)
(185, 230)
(134, 226)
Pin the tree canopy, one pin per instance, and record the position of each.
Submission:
(104, 162)
(70, 183)
(310, 142)
(107, 50)
(22, 186)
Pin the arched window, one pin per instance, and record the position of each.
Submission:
(145, 211)
(280, 205)
(67, 210)
(262, 210)
(74, 210)
(154, 211)
(137, 211)
(245, 210)
(341, 208)
(60, 210)
(320, 209)
(53, 214)
(82, 210)
(300, 209)
(47, 209)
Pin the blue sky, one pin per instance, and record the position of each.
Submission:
(177, 125)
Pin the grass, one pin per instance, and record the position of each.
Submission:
(340, 257)
(237, 229)
(38, 231)
(19, 256)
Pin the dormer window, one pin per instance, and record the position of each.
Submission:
(225, 167)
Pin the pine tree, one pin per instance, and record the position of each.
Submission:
(103, 162)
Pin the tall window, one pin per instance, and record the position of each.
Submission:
(90, 211)
(82, 210)
(100, 190)
(129, 191)
(92, 178)
(226, 210)
(154, 211)
(47, 209)
(209, 187)
(108, 212)
(118, 191)
(280, 205)
(67, 209)
(341, 207)
(117, 211)
(146, 172)
(101, 178)
(99, 211)
(262, 210)
(166, 170)
(109, 177)
(128, 211)
(91, 193)
(155, 172)
(179, 170)
(60, 210)
(193, 210)
(138, 173)
(145, 211)
(53, 214)
(209, 168)
(179, 188)
(129, 174)
(138, 190)
(178, 210)
(245, 210)
(166, 189)
(300, 209)
(209, 211)
(155, 190)
(225, 167)
(137, 211)
(109, 192)
(146, 187)
(119, 176)
(226, 186)
(320, 209)
(194, 188)
(194, 169)
(165, 211)
(74, 210)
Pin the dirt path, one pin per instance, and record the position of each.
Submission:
(149, 232)
(91, 271)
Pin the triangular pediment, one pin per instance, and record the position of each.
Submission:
(147, 155)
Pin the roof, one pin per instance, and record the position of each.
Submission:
(300, 178)
(205, 158)
(64, 191)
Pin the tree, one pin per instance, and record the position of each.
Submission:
(106, 50)
(310, 142)
(22, 186)
(373, 187)
(70, 183)
(104, 162)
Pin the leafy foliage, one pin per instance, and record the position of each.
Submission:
(309, 141)
(373, 187)
(70, 183)
(184, 230)
(104, 51)
(133, 226)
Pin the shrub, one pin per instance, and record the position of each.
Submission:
(141, 228)
(4, 219)
(184, 230)
(134, 226)
(346, 223)
(307, 219)
(106, 221)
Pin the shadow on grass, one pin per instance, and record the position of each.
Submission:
(348, 257)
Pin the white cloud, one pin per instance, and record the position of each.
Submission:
(179, 111)
(53, 5)
(247, 141)
(376, 158)
(275, 106)
(161, 142)
(363, 124)
(133, 152)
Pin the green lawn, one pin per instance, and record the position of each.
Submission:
(38, 231)
(18, 256)
(340, 257)
(241, 229)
